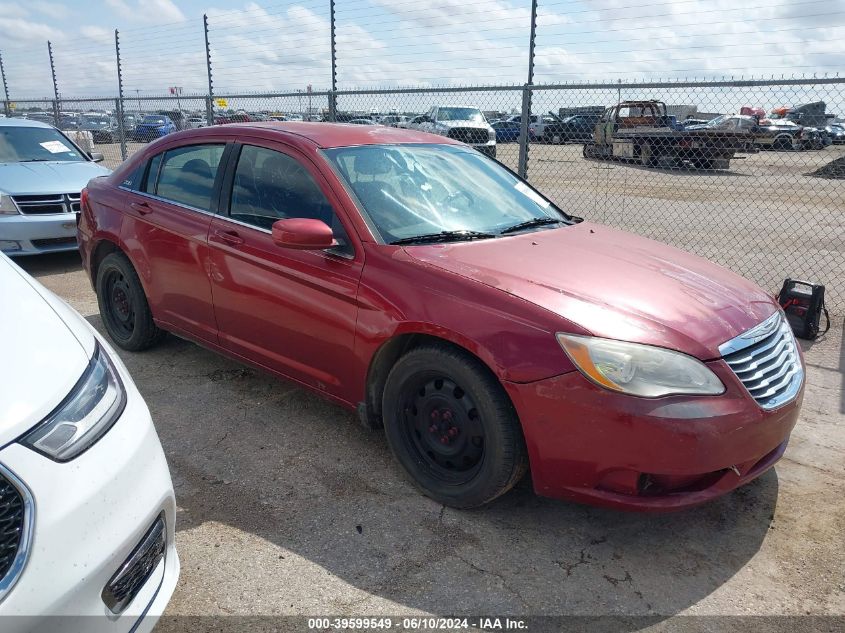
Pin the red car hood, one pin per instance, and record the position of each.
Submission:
(614, 285)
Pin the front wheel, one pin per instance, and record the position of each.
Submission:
(452, 428)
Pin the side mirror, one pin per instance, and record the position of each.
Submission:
(97, 157)
(303, 234)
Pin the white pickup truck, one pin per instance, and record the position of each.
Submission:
(465, 124)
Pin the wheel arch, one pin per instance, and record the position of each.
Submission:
(391, 350)
(104, 247)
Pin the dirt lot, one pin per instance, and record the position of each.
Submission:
(765, 217)
(288, 507)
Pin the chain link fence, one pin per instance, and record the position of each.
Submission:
(762, 193)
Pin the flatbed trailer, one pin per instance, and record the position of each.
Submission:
(641, 131)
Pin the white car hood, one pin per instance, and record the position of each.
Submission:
(46, 348)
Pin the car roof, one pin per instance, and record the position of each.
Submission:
(15, 122)
(327, 135)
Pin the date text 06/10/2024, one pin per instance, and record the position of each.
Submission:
(417, 624)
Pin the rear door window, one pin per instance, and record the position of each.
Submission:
(188, 173)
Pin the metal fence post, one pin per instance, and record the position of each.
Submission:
(121, 122)
(333, 94)
(56, 105)
(522, 168)
(209, 103)
(6, 109)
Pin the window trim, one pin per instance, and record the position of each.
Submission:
(214, 200)
(228, 181)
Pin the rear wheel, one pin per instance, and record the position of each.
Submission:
(452, 428)
(123, 305)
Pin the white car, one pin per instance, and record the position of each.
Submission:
(86, 503)
(465, 124)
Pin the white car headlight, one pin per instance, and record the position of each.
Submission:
(491, 135)
(639, 370)
(89, 410)
(7, 205)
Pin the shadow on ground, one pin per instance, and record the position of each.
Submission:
(275, 462)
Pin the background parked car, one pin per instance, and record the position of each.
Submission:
(103, 127)
(393, 120)
(537, 126)
(154, 126)
(506, 131)
(575, 128)
(462, 123)
(836, 133)
(195, 122)
(42, 173)
(413, 123)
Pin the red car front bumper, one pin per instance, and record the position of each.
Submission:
(608, 449)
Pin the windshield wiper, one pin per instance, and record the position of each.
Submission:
(528, 224)
(35, 160)
(444, 236)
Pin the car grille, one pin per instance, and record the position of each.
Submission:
(54, 241)
(470, 135)
(48, 204)
(14, 530)
(767, 362)
(136, 569)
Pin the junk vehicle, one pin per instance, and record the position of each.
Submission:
(777, 135)
(642, 131)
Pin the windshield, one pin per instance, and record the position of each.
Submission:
(413, 190)
(23, 144)
(460, 114)
(153, 120)
(718, 121)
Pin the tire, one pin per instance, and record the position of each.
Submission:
(452, 428)
(557, 139)
(123, 305)
(783, 143)
(647, 157)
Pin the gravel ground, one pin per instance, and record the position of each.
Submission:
(288, 507)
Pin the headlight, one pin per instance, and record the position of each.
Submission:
(639, 370)
(491, 135)
(7, 205)
(90, 410)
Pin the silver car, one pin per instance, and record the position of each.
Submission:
(42, 173)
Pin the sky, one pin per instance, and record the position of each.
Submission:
(285, 46)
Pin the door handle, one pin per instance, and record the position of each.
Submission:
(228, 237)
(141, 207)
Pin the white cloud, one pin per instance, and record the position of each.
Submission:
(51, 9)
(97, 34)
(149, 11)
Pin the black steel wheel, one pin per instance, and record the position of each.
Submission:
(123, 304)
(452, 428)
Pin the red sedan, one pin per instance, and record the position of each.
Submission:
(488, 331)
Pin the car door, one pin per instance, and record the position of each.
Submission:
(292, 311)
(166, 231)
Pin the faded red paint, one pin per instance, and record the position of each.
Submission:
(320, 320)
